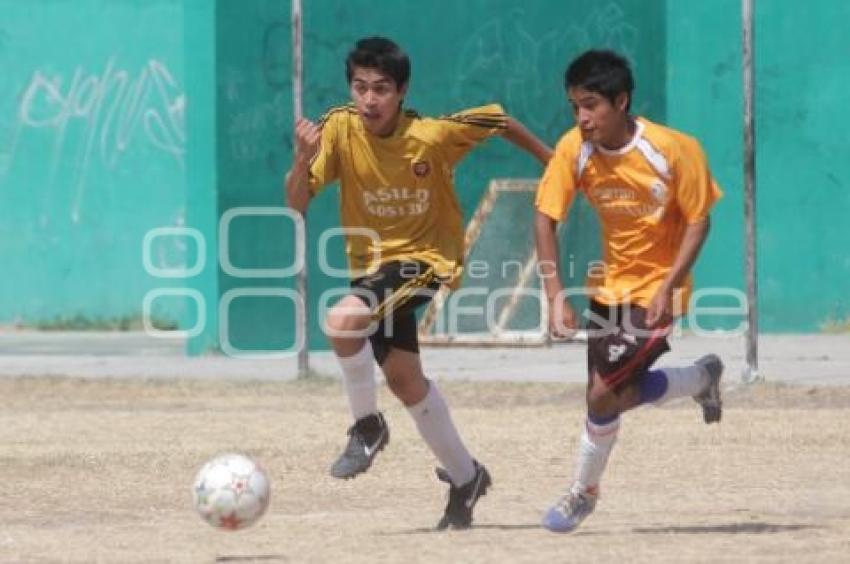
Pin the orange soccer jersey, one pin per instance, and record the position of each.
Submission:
(401, 187)
(645, 194)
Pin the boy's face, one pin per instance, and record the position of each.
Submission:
(600, 121)
(378, 100)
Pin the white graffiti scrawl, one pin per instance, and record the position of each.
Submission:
(102, 116)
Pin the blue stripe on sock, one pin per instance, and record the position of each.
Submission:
(652, 386)
(599, 420)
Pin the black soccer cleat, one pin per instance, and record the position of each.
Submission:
(462, 500)
(709, 398)
(368, 436)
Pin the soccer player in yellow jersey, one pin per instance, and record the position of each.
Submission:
(395, 173)
(652, 190)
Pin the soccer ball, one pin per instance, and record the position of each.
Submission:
(231, 492)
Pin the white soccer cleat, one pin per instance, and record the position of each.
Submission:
(569, 511)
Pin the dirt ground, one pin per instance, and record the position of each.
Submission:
(101, 470)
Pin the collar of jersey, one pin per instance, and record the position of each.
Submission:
(639, 127)
(400, 127)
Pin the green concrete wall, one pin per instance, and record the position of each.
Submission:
(704, 99)
(119, 118)
(802, 64)
(92, 156)
(803, 131)
(202, 174)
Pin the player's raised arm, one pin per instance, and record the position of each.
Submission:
(519, 135)
(465, 129)
(307, 139)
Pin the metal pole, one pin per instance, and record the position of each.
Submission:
(751, 373)
(301, 327)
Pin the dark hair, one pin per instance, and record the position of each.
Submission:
(381, 54)
(601, 71)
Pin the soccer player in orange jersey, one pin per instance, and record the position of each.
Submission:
(395, 171)
(652, 190)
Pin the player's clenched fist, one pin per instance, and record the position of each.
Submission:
(562, 319)
(307, 138)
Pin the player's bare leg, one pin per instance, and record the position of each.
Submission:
(347, 323)
(403, 371)
(467, 479)
(700, 380)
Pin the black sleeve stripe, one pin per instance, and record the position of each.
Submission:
(334, 110)
(491, 114)
(498, 121)
(476, 115)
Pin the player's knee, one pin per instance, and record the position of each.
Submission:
(602, 402)
(410, 389)
(398, 386)
(404, 378)
(346, 317)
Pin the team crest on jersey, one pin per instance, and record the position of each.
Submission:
(659, 191)
(421, 168)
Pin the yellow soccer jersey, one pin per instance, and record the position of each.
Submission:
(401, 186)
(645, 194)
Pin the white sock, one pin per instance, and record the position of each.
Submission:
(594, 450)
(435, 424)
(358, 377)
(681, 382)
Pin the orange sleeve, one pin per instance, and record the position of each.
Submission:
(696, 190)
(557, 188)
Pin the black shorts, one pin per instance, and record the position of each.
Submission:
(393, 293)
(620, 348)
